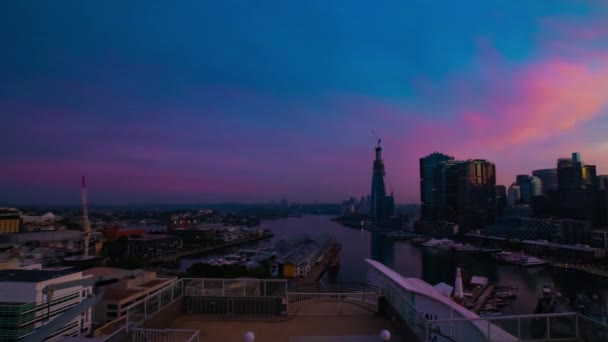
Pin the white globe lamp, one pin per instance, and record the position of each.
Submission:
(385, 335)
(249, 336)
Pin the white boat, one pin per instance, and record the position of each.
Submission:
(443, 243)
(465, 248)
(532, 262)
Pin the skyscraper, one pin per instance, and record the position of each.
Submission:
(501, 198)
(548, 177)
(382, 206)
(476, 194)
(576, 187)
(429, 184)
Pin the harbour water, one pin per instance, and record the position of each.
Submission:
(432, 265)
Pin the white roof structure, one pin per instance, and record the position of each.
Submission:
(445, 289)
(423, 288)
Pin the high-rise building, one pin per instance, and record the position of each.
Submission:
(514, 195)
(382, 206)
(576, 188)
(429, 192)
(602, 182)
(548, 177)
(501, 198)
(471, 194)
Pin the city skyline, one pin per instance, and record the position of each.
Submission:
(252, 102)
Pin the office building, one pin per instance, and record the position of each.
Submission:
(529, 187)
(514, 195)
(548, 178)
(471, 194)
(576, 190)
(24, 307)
(602, 182)
(382, 205)
(501, 199)
(429, 195)
(10, 221)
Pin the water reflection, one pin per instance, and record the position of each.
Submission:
(382, 248)
(432, 265)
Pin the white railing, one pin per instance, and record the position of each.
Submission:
(542, 327)
(164, 335)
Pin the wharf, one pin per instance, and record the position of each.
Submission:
(581, 268)
(330, 262)
(202, 250)
(481, 300)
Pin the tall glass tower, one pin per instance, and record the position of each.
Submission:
(381, 205)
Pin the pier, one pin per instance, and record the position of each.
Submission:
(202, 250)
(330, 262)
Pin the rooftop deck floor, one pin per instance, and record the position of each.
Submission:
(352, 323)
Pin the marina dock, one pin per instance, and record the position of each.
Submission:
(482, 297)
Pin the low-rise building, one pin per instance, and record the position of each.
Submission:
(24, 307)
(565, 231)
(10, 221)
(119, 296)
(599, 238)
(153, 245)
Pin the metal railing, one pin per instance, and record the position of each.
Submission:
(211, 287)
(538, 327)
(164, 335)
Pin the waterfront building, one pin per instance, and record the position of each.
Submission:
(10, 221)
(24, 306)
(566, 231)
(152, 245)
(577, 252)
(382, 205)
(429, 187)
(548, 178)
(599, 239)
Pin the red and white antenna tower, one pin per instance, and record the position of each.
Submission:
(86, 223)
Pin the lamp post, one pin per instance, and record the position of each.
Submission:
(385, 335)
(249, 337)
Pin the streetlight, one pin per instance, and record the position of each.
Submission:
(249, 336)
(385, 335)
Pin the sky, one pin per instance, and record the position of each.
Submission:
(259, 100)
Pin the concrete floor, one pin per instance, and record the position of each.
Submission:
(354, 322)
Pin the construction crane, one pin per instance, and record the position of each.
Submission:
(377, 137)
(86, 223)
